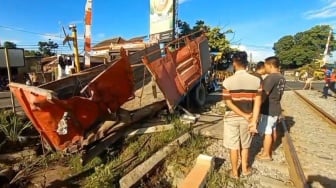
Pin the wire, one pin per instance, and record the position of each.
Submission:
(31, 32)
(35, 33)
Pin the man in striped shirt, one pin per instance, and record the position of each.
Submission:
(242, 95)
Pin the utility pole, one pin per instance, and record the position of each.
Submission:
(175, 19)
(326, 50)
(9, 77)
(250, 57)
(73, 38)
(87, 34)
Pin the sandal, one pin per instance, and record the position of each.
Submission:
(235, 177)
(262, 158)
(249, 172)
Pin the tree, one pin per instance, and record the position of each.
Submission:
(46, 47)
(8, 44)
(216, 37)
(217, 40)
(304, 47)
(32, 53)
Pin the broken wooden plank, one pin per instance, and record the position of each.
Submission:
(6, 175)
(141, 170)
(117, 131)
(17, 156)
(146, 130)
(198, 175)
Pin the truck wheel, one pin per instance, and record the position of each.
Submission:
(199, 95)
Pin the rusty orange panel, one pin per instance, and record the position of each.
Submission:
(109, 90)
(180, 69)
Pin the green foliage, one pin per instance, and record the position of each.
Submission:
(46, 48)
(304, 47)
(32, 53)
(135, 150)
(12, 125)
(182, 161)
(217, 38)
(8, 44)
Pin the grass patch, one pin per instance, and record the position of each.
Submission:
(12, 126)
(135, 150)
(178, 164)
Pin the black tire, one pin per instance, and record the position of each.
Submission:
(198, 95)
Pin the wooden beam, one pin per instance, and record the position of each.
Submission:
(117, 130)
(146, 130)
(17, 156)
(141, 170)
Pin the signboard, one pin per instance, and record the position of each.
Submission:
(161, 19)
(16, 57)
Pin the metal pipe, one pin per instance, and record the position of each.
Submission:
(75, 44)
(9, 78)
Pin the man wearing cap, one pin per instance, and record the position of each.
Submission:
(242, 95)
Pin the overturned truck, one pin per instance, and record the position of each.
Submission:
(90, 110)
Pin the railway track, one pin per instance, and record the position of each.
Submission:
(303, 158)
(311, 151)
(326, 115)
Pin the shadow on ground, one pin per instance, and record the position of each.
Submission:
(257, 140)
(324, 181)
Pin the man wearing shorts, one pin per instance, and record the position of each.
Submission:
(242, 95)
(273, 88)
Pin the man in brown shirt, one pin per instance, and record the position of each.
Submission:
(242, 95)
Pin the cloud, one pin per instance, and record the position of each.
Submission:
(327, 11)
(258, 53)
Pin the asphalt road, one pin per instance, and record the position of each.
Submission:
(5, 100)
(299, 85)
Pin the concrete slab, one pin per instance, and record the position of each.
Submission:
(210, 125)
(198, 175)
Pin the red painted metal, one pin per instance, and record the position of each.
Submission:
(180, 69)
(107, 92)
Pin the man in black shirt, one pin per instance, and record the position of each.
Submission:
(273, 89)
(260, 70)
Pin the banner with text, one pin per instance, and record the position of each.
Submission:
(161, 20)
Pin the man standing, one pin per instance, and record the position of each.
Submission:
(260, 70)
(273, 89)
(327, 79)
(242, 95)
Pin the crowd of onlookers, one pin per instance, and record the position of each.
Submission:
(255, 109)
(253, 100)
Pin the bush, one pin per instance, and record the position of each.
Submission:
(12, 126)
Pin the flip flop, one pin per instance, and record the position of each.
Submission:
(261, 158)
(233, 176)
(249, 172)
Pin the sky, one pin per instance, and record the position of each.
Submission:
(257, 25)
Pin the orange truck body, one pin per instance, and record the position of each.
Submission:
(82, 100)
(180, 69)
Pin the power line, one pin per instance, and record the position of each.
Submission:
(31, 32)
(35, 33)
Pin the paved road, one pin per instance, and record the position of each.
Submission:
(299, 85)
(5, 100)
